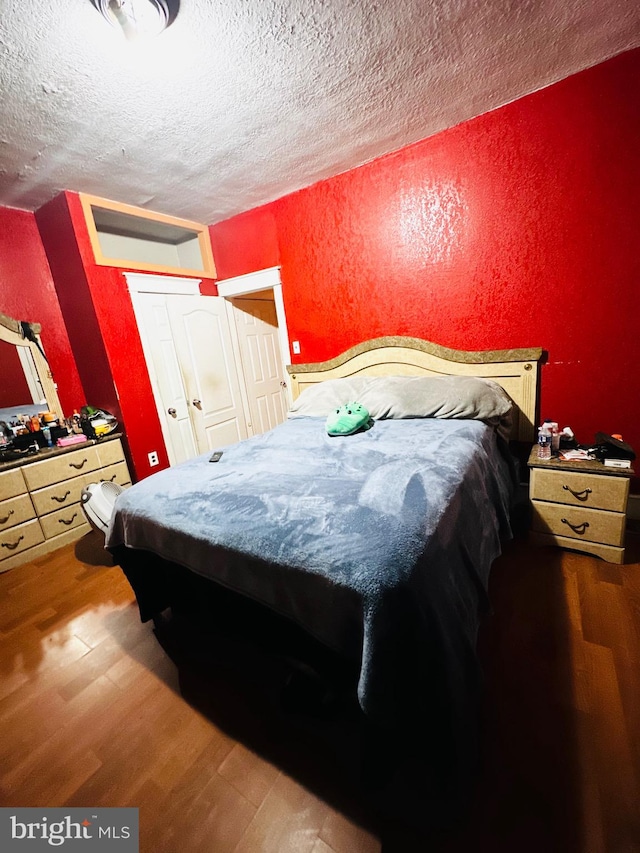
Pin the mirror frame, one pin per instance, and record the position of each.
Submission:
(11, 332)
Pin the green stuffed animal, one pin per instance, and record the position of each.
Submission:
(350, 418)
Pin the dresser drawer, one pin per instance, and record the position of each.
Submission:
(60, 495)
(580, 523)
(12, 483)
(16, 511)
(110, 452)
(20, 538)
(63, 467)
(576, 489)
(118, 473)
(62, 520)
(68, 492)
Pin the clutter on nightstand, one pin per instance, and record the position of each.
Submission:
(611, 450)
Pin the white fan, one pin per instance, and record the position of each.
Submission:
(97, 501)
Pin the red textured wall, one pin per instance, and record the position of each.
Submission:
(27, 293)
(518, 228)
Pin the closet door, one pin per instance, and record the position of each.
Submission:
(187, 345)
(257, 330)
(169, 391)
(205, 354)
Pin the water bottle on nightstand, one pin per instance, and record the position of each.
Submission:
(544, 442)
(552, 426)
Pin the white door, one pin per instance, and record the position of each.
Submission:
(156, 333)
(205, 354)
(187, 344)
(257, 329)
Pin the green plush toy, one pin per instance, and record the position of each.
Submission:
(348, 419)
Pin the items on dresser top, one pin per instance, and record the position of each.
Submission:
(29, 428)
(29, 424)
(579, 504)
(40, 496)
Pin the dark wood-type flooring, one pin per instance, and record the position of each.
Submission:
(95, 711)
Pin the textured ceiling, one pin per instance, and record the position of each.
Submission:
(242, 101)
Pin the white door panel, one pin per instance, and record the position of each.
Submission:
(203, 343)
(223, 433)
(257, 329)
(164, 371)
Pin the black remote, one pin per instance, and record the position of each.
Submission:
(216, 456)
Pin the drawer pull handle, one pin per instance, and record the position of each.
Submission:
(12, 545)
(6, 518)
(577, 528)
(581, 496)
(62, 499)
(79, 465)
(70, 521)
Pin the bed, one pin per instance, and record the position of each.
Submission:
(377, 544)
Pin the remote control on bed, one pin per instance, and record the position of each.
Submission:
(216, 456)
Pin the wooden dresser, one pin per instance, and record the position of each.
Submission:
(580, 505)
(40, 497)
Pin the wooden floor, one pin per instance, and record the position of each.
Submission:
(94, 711)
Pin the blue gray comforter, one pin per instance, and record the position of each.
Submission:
(379, 543)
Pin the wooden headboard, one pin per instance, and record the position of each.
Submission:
(517, 370)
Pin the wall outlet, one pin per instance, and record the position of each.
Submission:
(296, 347)
(153, 459)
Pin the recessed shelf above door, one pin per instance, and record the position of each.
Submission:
(134, 238)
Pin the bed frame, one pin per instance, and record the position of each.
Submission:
(319, 678)
(516, 370)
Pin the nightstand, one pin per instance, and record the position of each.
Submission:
(580, 505)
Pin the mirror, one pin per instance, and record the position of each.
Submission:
(27, 383)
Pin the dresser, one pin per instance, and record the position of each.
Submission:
(40, 497)
(580, 505)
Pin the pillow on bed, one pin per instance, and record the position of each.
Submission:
(318, 400)
(412, 397)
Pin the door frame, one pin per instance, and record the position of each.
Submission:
(252, 282)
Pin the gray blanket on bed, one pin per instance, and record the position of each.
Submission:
(378, 543)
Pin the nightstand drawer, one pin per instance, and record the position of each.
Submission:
(580, 523)
(577, 489)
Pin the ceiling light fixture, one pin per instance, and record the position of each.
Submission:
(138, 18)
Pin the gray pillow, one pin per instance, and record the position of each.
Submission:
(412, 397)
